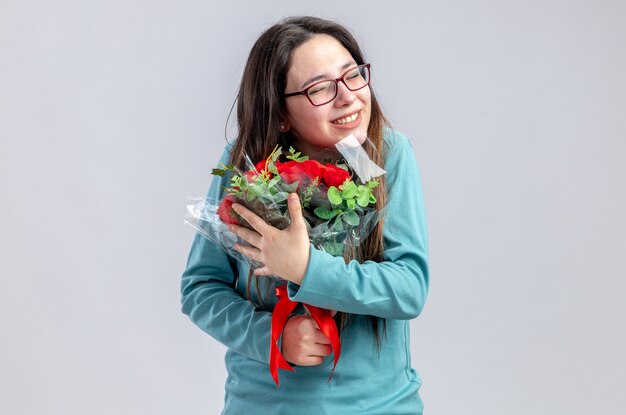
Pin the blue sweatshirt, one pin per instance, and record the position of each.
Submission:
(366, 381)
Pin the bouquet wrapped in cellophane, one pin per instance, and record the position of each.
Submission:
(339, 207)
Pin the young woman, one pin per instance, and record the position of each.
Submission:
(299, 89)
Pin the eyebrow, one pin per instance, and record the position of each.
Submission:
(326, 76)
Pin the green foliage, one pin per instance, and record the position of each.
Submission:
(291, 188)
(308, 193)
(334, 196)
(275, 154)
(295, 156)
(273, 182)
(351, 218)
(349, 190)
(280, 197)
(333, 248)
(363, 196)
(337, 225)
(325, 213)
(347, 200)
(372, 184)
(221, 172)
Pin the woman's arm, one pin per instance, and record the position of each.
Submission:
(395, 288)
(212, 303)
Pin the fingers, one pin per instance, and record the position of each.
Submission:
(315, 356)
(310, 361)
(246, 234)
(319, 337)
(314, 334)
(311, 355)
(256, 222)
(253, 238)
(303, 343)
(320, 350)
(295, 209)
(284, 252)
(249, 251)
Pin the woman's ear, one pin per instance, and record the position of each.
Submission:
(284, 126)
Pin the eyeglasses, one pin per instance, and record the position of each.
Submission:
(323, 92)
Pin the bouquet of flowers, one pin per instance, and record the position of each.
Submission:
(338, 207)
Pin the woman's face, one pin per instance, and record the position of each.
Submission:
(317, 127)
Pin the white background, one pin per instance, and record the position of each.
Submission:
(112, 113)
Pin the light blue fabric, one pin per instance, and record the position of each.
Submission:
(365, 382)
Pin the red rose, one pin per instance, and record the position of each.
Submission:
(304, 171)
(225, 210)
(335, 176)
(260, 166)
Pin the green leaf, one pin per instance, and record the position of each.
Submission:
(273, 169)
(334, 196)
(308, 193)
(218, 172)
(363, 196)
(295, 156)
(243, 183)
(338, 225)
(291, 188)
(351, 203)
(276, 153)
(325, 213)
(256, 189)
(348, 190)
(333, 248)
(351, 218)
(280, 197)
(372, 184)
(273, 182)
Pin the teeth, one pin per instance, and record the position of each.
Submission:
(346, 119)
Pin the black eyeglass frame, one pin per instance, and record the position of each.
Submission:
(305, 91)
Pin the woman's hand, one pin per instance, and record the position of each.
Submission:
(284, 253)
(303, 343)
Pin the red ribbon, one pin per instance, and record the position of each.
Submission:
(322, 317)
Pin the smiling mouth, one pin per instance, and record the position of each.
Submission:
(346, 120)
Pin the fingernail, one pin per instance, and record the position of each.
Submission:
(235, 207)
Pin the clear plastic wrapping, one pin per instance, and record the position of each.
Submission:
(335, 188)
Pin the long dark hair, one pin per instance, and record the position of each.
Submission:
(261, 108)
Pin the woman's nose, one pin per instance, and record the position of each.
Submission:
(344, 97)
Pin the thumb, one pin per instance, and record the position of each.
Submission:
(295, 209)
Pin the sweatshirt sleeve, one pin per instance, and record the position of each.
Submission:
(210, 300)
(395, 288)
